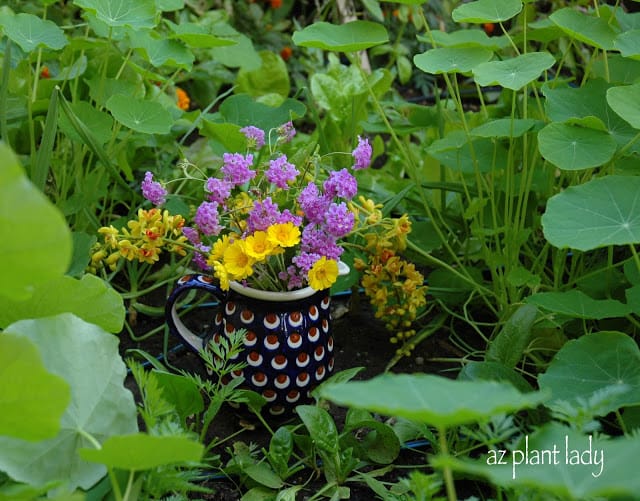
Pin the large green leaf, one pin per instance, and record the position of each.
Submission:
(89, 298)
(197, 36)
(624, 101)
(140, 115)
(138, 14)
(595, 31)
(571, 147)
(243, 110)
(603, 211)
(36, 243)
(513, 73)
(271, 76)
(348, 37)
(140, 451)
(162, 51)
(628, 43)
(452, 59)
(454, 151)
(609, 469)
(575, 303)
(30, 32)
(430, 399)
(486, 11)
(87, 358)
(101, 122)
(32, 399)
(593, 363)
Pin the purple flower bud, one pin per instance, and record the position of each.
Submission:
(206, 218)
(254, 135)
(362, 154)
(281, 172)
(153, 190)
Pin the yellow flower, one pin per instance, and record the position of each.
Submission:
(127, 249)
(323, 273)
(258, 246)
(110, 235)
(217, 251)
(221, 273)
(237, 262)
(284, 234)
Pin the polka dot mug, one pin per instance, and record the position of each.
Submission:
(288, 346)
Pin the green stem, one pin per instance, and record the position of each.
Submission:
(448, 474)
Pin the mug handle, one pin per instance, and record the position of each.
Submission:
(184, 285)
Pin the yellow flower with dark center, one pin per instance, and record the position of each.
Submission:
(237, 262)
(258, 245)
(284, 234)
(323, 273)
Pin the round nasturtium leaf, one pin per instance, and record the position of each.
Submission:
(486, 11)
(628, 43)
(451, 59)
(140, 451)
(32, 399)
(513, 73)
(570, 147)
(140, 115)
(430, 399)
(36, 246)
(87, 358)
(138, 14)
(624, 101)
(348, 37)
(504, 127)
(30, 32)
(591, 364)
(587, 28)
(604, 211)
(577, 304)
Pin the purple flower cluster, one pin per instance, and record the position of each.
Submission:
(286, 132)
(153, 190)
(218, 189)
(236, 168)
(362, 154)
(206, 218)
(281, 172)
(254, 135)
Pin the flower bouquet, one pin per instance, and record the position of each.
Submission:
(262, 220)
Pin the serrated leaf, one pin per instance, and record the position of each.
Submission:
(570, 147)
(87, 358)
(140, 115)
(514, 73)
(603, 211)
(451, 59)
(624, 101)
(430, 399)
(577, 304)
(30, 32)
(486, 11)
(89, 298)
(140, 451)
(593, 363)
(115, 13)
(587, 28)
(32, 400)
(25, 212)
(348, 37)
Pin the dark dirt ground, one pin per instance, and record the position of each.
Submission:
(360, 341)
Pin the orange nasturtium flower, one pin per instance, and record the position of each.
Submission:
(286, 52)
(183, 99)
(276, 4)
(44, 73)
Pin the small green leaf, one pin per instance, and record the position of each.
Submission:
(161, 51)
(271, 76)
(30, 32)
(140, 115)
(138, 14)
(465, 38)
(197, 36)
(89, 298)
(348, 37)
(603, 211)
(32, 400)
(24, 213)
(504, 127)
(321, 427)
(514, 73)
(264, 475)
(624, 101)
(140, 451)
(486, 11)
(451, 59)
(243, 110)
(430, 399)
(587, 28)
(571, 147)
(575, 303)
(593, 363)
(101, 122)
(509, 345)
(493, 371)
(181, 392)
